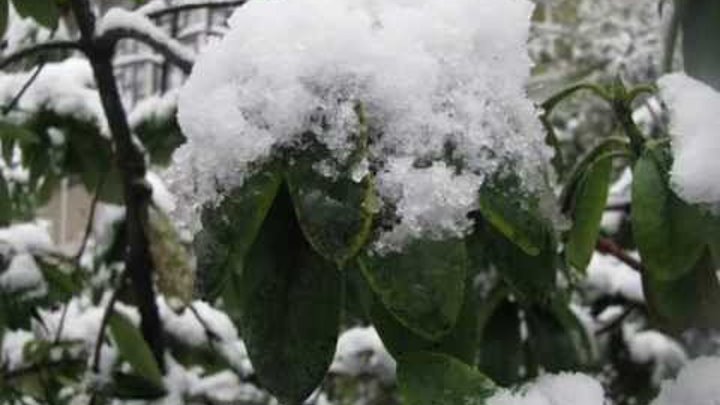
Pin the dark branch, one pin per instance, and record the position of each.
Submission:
(209, 5)
(41, 48)
(131, 162)
(170, 49)
(14, 102)
(607, 246)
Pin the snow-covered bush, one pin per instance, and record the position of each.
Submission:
(379, 212)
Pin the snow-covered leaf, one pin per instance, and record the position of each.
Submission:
(669, 232)
(334, 212)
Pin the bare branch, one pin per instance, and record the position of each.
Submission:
(171, 49)
(607, 246)
(131, 162)
(204, 4)
(40, 48)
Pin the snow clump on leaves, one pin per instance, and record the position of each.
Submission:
(441, 83)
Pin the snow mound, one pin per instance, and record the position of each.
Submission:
(66, 88)
(557, 389)
(695, 385)
(694, 121)
(442, 83)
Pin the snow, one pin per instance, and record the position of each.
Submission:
(694, 120)
(606, 275)
(285, 68)
(161, 196)
(155, 107)
(652, 347)
(558, 389)
(23, 275)
(11, 349)
(360, 352)
(121, 19)
(695, 385)
(66, 87)
(27, 237)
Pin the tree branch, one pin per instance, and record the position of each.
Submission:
(40, 48)
(120, 24)
(137, 193)
(209, 5)
(607, 246)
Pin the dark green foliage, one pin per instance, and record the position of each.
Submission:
(589, 205)
(501, 346)
(422, 286)
(531, 277)
(434, 379)
(45, 12)
(231, 228)
(133, 349)
(461, 342)
(290, 306)
(334, 214)
(668, 232)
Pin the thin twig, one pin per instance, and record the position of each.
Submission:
(78, 256)
(103, 323)
(209, 5)
(607, 246)
(89, 224)
(615, 322)
(14, 102)
(39, 49)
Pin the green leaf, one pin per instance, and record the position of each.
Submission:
(428, 378)
(229, 230)
(45, 12)
(501, 346)
(4, 14)
(700, 31)
(460, 342)
(130, 386)
(422, 286)
(557, 338)
(291, 309)
(512, 212)
(531, 277)
(334, 214)
(134, 349)
(688, 301)
(160, 136)
(669, 233)
(590, 200)
(5, 203)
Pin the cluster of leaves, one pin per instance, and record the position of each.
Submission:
(288, 255)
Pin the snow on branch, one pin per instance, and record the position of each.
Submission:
(159, 8)
(120, 24)
(40, 48)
